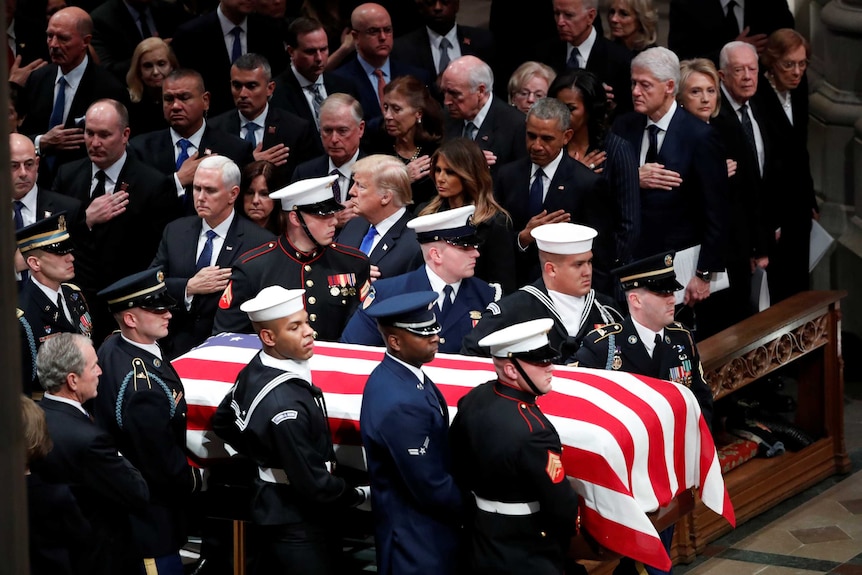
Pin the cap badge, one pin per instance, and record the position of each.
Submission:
(668, 260)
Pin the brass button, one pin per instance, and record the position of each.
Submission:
(312, 300)
(315, 335)
(542, 534)
(313, 317)
(309, 283)
(308, 268)
(523, 406)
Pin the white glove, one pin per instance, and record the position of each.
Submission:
(365, 490)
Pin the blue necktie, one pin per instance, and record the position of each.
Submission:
(184, 152)
(59, 104)
(536, 192)
(572, 62)
(207, 252)
(368, 240)
(236, 52)
(250, 128)
(18, 205)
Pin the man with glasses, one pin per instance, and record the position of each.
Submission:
(404, 422)
(141, 404)
(450, 249)
(509, 456)
(373, 68)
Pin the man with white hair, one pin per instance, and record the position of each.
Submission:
(683, 174)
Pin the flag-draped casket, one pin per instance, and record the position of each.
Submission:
(631, 443)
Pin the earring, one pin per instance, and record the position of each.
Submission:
(419, 120)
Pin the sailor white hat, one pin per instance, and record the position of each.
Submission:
(311, 195)
(564, 238)
(273, 302)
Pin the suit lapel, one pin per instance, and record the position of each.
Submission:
(389, 239)
(637, 360)
(232, 243)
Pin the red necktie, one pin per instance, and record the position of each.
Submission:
(381, 83)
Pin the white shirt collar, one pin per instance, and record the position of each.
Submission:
(227, 25)
(221, 229)
(438, 283)
(73, 78)
(551, 168)
(112, 172)
(570, 308)
(71, 402)
(420, 375)
(733, 103)
(260, 120)
(298, 368)
(647, 336)
(345, 169)
(51, 294)
(29, 199)
(664, 121)
(303, 81)
(585, 48)
(369, 69)
(151, 348)
(195, 138)
(480, 116)
(385, 224)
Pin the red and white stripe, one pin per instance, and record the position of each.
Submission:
(631, 443)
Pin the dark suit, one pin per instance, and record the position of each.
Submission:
(280, 127)
(533, 302)
(319, 167)
(474, 295)
(695, 27)
(29, 38)
(695, 212)
(353, 71)
(124, 245)
(177, 255)
(414, 48)
(49, 203)
(503, 132)
(416, 503)
(116, 33)
(610, 61)
(290, 96)
(200, 45)
(36, 101)
(396, 253)
(574, 188)
(107, 487)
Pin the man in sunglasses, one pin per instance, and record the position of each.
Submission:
(508, 454)
(141, 404)
(450, 249)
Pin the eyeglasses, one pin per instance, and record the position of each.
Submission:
(788, 65)
(386, 31)
(538, 94)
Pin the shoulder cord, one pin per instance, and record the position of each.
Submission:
(118, 408)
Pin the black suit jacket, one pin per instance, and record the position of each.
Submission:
(504, 132)
(414, 48)
(199, 44)
(116, 34)
(396, 253)
(695, 26)
(177, 255)
(49, 203)
(281, 127)
(574, 188)
(288, 94)
(107, 487)
(695, 212)
(36, 101)
(29, 39)
(319, 167)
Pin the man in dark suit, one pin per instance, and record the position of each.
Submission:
(449, 248)
(580, 45)
(373, 68)
(699, 28)
(147, 419)
(28, 36)
(304, 85)
(178, 150)
(278, 136)
(441, 39)
(197, 252)
(564, 293)
(120, 25)
(683, 173)
(551, 187)
(341, 131)
(380, 195)
(213, 41)
(476, 113)
(47, 302)
(56, 97)
(127, 205)
(106, 486)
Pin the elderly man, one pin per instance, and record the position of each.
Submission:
(475, 113)
(47, 304)
(508, 454)
(141, 404)
(277, 417)
(450, 249)
(404, 422)
(55, 97)
(380, 195)
(106, 486)
(564, 293)
(197, 252)
(278, 136)
(127, 206)
(335, 277)
(683, 173)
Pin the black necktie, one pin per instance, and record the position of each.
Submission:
(652, 150)
(572, 62)
(536, 194)
(145, 28)
(656, 351)
(336, 187)
(60, 306)
(747, 127)
(731, 24)
(99, 190)
(446, 304)
(17, 205)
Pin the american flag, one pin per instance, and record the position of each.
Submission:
(631, 443)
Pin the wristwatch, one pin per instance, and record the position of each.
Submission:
(705, 276)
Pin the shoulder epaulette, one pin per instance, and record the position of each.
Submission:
(677, 327)
(349, 250)
(72, 286)
(19, 313)
(606, 331)
(258, 251)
